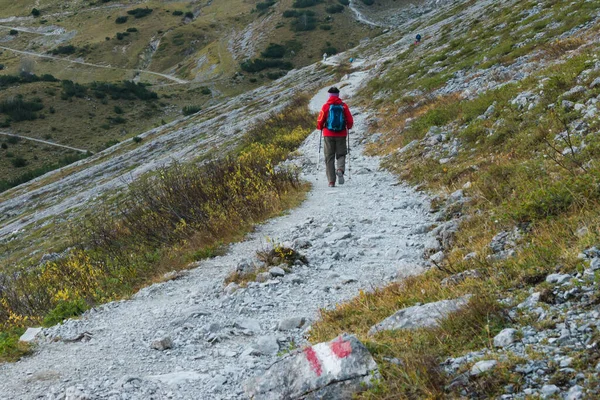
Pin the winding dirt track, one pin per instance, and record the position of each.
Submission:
(30, 53)
(45, 142)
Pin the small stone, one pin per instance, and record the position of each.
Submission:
(483, 366)
(266, 345)
(218, 380)
(558, 278)
(438, 257)
(505, 338)
(566, 362)
(276, 272)
(549, 390)
(231, 288)
(575, 393)
(76, 393)
(291, 323)
(263, 277)
(595, 83)
(162, 344)
(349, 279)
(248, 324)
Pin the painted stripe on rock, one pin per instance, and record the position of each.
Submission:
(327, 357)
(332, 364)
(313, 360)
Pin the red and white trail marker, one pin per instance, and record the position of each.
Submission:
(327, 357)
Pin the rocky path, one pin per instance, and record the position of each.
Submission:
(356, 237)
(44, 142)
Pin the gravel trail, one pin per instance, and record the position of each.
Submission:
(356, 237)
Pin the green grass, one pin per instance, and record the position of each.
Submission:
(10, 347)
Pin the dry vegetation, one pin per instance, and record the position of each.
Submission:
(177, 215)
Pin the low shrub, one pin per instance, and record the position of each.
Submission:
(71, 89)
(259, 64)
(19, 162)
(131, 30)
(140, 12)
(330, 50)
(126, 90)
(63, 50)
(304, 22)
(20, 110)
(264, 5)
(205, 91)
(335, 9)
(13, 32)
(189, 110)
(35, 12)
(10, 347)
(276, 74)
(274, 51)
(177, 13)
(118, 120)
(111, 143)
(65, 309)
(121, 20)
(305, 3)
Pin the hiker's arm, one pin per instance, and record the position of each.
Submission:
(348, 117)
(321, 120)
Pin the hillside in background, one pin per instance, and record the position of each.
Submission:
(193, 54)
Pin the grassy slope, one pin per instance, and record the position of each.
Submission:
(85, 122)
(516, 179)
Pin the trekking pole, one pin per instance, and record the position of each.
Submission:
(319, 152)
(349, 171)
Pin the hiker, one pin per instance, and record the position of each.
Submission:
(418, 39)
(324, 56)
(334, 122)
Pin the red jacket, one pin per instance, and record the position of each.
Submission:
(322, 120)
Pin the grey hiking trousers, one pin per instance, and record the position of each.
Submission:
(335, 149)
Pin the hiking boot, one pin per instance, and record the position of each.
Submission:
(331, 184)
(340, 176)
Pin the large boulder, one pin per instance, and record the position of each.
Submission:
(424, 316)
(333, 370)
